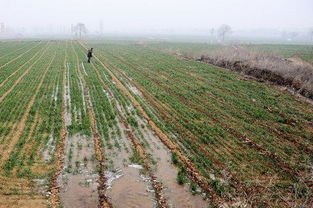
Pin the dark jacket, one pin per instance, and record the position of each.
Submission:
(89, 54)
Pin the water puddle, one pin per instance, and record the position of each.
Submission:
(127, 187)
(79, 177)
(84, 69)
(49, 149)
(179, 196)
(67, 97)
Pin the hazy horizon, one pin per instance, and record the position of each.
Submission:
(139, 16)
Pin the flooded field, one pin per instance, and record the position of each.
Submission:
(141, 128)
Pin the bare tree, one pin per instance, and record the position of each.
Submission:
(80, 29)
(223, 31)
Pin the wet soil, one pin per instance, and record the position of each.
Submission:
(177, 195)
(127, 187)
(79, 178)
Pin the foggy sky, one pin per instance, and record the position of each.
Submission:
(145, 15)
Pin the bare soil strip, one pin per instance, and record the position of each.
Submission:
(21, 77)
(157, 186)
(17, 133)
(6, 79)
(19, 56)
(191, 169)
(15, 201)
(103, 200)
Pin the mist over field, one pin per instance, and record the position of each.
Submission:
(156, 103)
(281, 19)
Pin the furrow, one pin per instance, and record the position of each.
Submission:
(21, 125)
(19, 56)
(161, 201)
(8, 77)
(21, 77)
(192, 171)
(103, 200)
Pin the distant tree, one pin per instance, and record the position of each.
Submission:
(223, 31)
(80, 29)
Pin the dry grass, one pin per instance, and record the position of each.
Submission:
(264, 67)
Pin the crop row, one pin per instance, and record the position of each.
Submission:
(198, 101)
(34, 109)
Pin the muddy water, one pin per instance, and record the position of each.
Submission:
(126, 186)
(50, 147)
(177, 195)
(79, 178)
(67, 97)
(130, 190)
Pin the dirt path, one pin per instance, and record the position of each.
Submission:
(191, 170)
(21, 77)
(6, 150)
(11, 60)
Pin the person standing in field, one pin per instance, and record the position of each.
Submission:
(89, 55)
